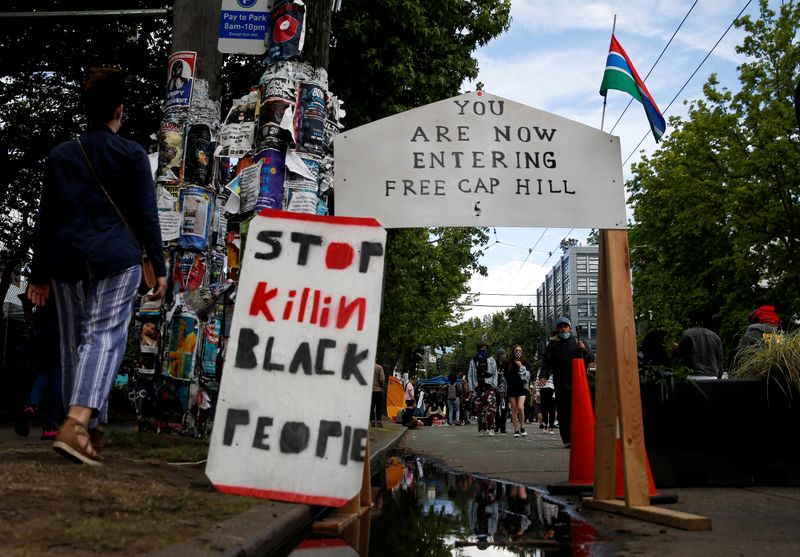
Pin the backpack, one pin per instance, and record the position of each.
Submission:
(452, 391)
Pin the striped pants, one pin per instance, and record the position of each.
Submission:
(93, 317)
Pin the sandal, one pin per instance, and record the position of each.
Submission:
(98, 438)
(73, 441)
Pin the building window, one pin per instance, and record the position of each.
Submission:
(583, 285)
(581, 264)
(594, 266)
(592, 285)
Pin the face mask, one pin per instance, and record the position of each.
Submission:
(518, 354)
(565, 336)
(483, 353)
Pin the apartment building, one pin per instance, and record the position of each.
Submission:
(570, 289)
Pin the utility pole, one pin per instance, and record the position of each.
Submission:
(318, 33)
(195, 24)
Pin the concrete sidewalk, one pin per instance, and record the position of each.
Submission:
(745, 521)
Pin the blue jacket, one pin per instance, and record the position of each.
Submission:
(78, 234)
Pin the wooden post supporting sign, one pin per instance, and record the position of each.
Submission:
(617, 396)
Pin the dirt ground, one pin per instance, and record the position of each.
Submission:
(151, 493)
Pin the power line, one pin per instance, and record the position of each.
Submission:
(656, 63)
(498, 306)
(691, 76)
(488, 294)
(548, 259)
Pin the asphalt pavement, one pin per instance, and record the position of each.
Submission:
(760, 520)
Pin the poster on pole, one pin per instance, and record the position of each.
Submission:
(293, 408)
(480, 160)
(180, 80)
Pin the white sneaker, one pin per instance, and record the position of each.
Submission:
(551, 432)
(491, 433)
(516, 434)
(524, 433)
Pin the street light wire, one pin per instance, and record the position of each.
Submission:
(691, 76)
(656, 63)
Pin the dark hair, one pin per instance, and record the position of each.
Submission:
(102, 94)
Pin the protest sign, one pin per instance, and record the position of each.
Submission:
(480, 160)
(293, 406)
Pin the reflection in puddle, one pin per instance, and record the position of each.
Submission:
(421, 509)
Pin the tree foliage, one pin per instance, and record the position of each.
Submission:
(391, 56)
(43, 65)
(502, 329)
(717, 212)
(426, 275)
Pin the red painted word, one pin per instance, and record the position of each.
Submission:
(313, 307)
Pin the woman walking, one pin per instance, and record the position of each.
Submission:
(517, 379)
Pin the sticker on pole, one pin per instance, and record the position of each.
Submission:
(292, 415)
(180, 79)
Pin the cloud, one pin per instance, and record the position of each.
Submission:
(509, 277)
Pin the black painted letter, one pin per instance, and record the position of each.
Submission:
(234, 418)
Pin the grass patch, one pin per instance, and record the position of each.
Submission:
(777, 358)
(169, 448)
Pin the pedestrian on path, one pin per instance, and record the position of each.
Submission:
(501, 358)
(91, 258)
(518, 379)
(376, 405)
(45, 395)
(483, 382)
(453, 398)
(563, 347)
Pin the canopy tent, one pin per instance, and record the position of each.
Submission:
(433, 381)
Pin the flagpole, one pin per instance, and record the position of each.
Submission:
(605, 97)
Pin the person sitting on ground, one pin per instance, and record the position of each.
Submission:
(407, 418)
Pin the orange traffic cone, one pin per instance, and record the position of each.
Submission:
(581, 449)
(619, 490)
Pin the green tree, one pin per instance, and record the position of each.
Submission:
(386, 58)
(44, 64)
(396, 55)
(426, 276)
(517, 325)
(717, 207)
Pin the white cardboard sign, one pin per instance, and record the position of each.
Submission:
(293, 407)
(480, 160)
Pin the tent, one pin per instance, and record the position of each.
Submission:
(437, 381)
(395, 397)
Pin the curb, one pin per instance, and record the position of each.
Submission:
(264, 528)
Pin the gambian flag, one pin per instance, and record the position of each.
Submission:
(621, 75)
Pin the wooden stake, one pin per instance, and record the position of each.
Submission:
(622, 357)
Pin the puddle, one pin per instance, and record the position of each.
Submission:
(420, 509)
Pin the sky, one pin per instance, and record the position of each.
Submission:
(553, 58)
